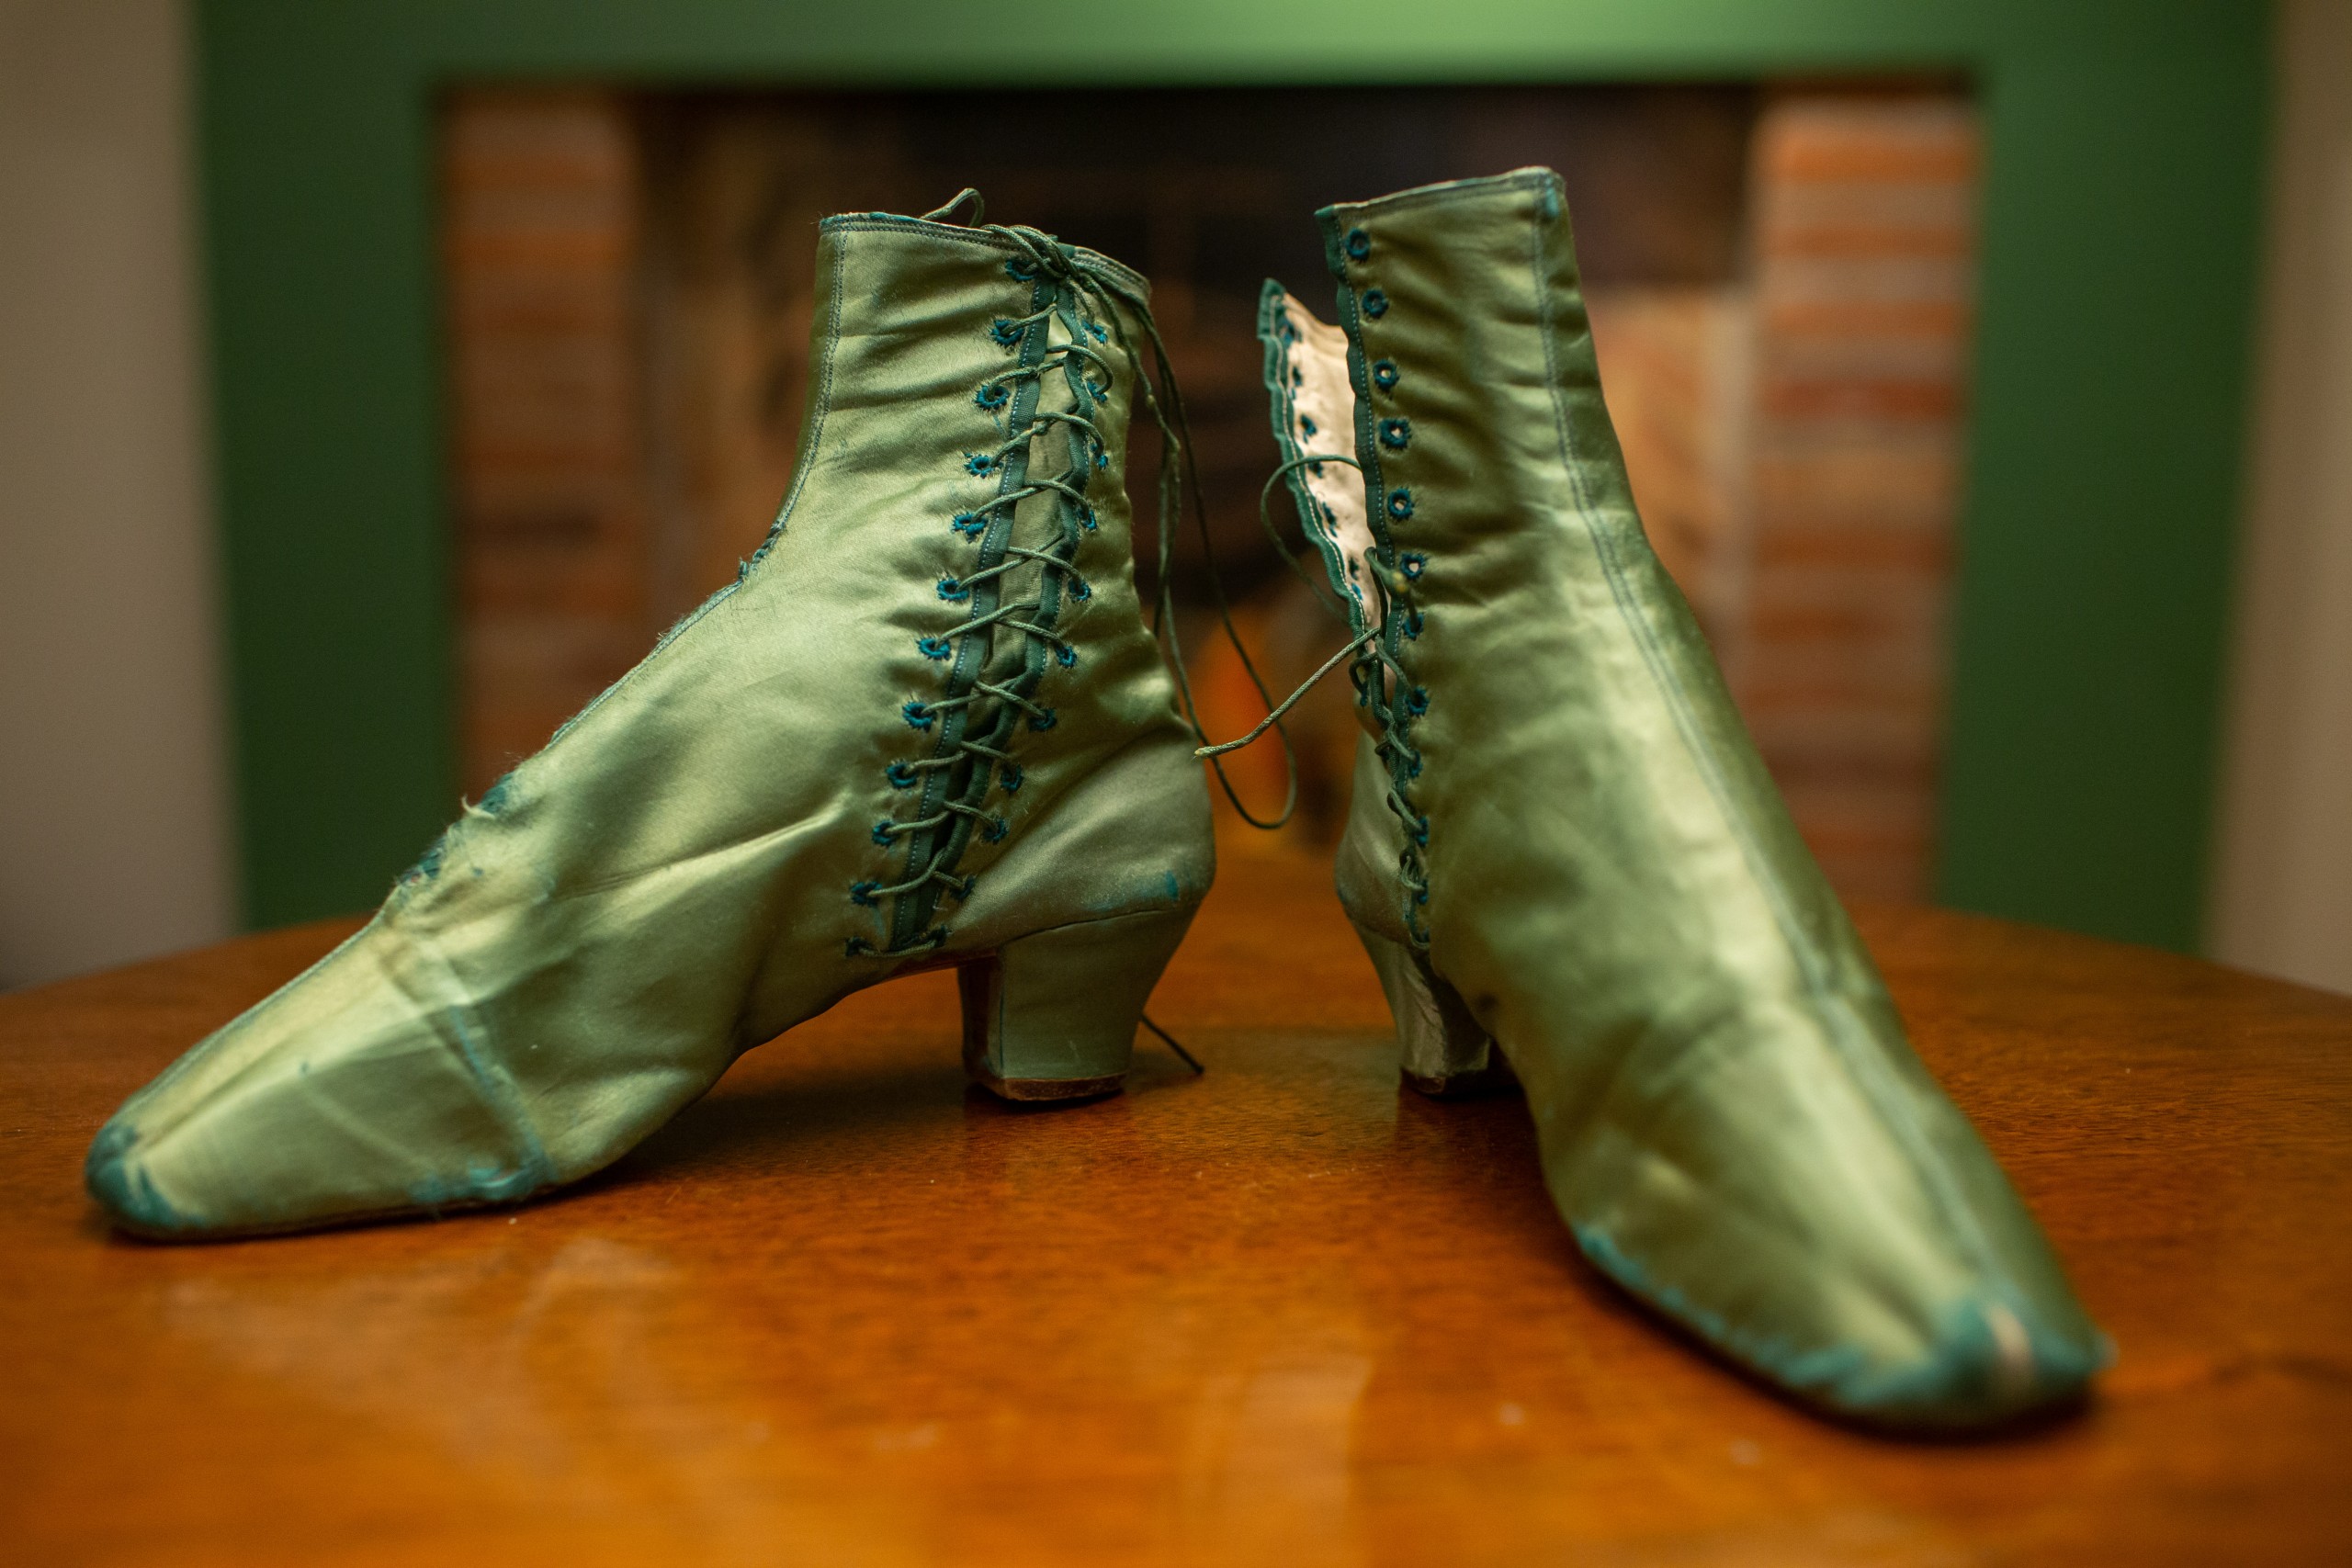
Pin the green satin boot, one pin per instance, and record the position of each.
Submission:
(1565, 845)
(925, 727)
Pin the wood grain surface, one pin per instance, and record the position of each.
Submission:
(847, 1312)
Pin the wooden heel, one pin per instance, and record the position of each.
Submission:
(1441, 1050)
(1053, 1016)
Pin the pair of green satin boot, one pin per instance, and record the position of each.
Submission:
(927, 727)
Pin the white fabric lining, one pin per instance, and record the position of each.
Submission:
(1322, 398)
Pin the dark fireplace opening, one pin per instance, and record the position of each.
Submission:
(1780, 279)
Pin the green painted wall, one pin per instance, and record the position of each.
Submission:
(2118, 256)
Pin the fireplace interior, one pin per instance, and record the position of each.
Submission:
(1780, 278)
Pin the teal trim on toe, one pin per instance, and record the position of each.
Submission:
(1990, 1360)
(124, 1189)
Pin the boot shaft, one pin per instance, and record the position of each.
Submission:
(1539, 693)
(941, 632)
(1476, 378)
(968, 435)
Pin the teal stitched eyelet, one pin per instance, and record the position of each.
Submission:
(1401, 505)
(917, 714)
(900, 774)
(1096, 331)
(1417, 701)
(1375, 303)
(1066, 656)
(1020, 271)
(971, 525)
(1080, 591)
(882, 834)
(1396, 434)
(1010, 778)
(1412, 624)
(992, 395)
(953, 590)
(979, 465)
(1007, 333)
(934, 646)
(1384, 375)
(994, 829)
(1412, 563)
(1305, 425)
(862, 893)
(1359, 244)
(1043, 719)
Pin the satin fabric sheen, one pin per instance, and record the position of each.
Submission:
(669, 882)
(1731, 1121)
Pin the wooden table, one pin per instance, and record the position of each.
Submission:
(846, 1312)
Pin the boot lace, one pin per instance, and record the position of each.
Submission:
(988, 700)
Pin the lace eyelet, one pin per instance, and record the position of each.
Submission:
(1375, 303)
(1385, 375)
(1358, 244)
(1401, 505)
(1396, 434)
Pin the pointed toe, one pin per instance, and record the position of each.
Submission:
(1990, 1361)
(119, 1179)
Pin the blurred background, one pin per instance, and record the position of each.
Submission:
(1783, 272)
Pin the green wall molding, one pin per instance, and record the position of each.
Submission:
(2121, 208)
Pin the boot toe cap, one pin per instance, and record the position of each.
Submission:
(1989, 1360)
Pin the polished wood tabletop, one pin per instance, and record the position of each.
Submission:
(846, 1311)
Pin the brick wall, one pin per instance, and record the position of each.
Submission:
(547, 464)
(1863, 257)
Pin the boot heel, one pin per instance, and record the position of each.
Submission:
(1053, 1016)
(1442, 1050)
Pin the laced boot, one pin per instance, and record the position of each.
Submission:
(926, 726)
(1563, 844)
